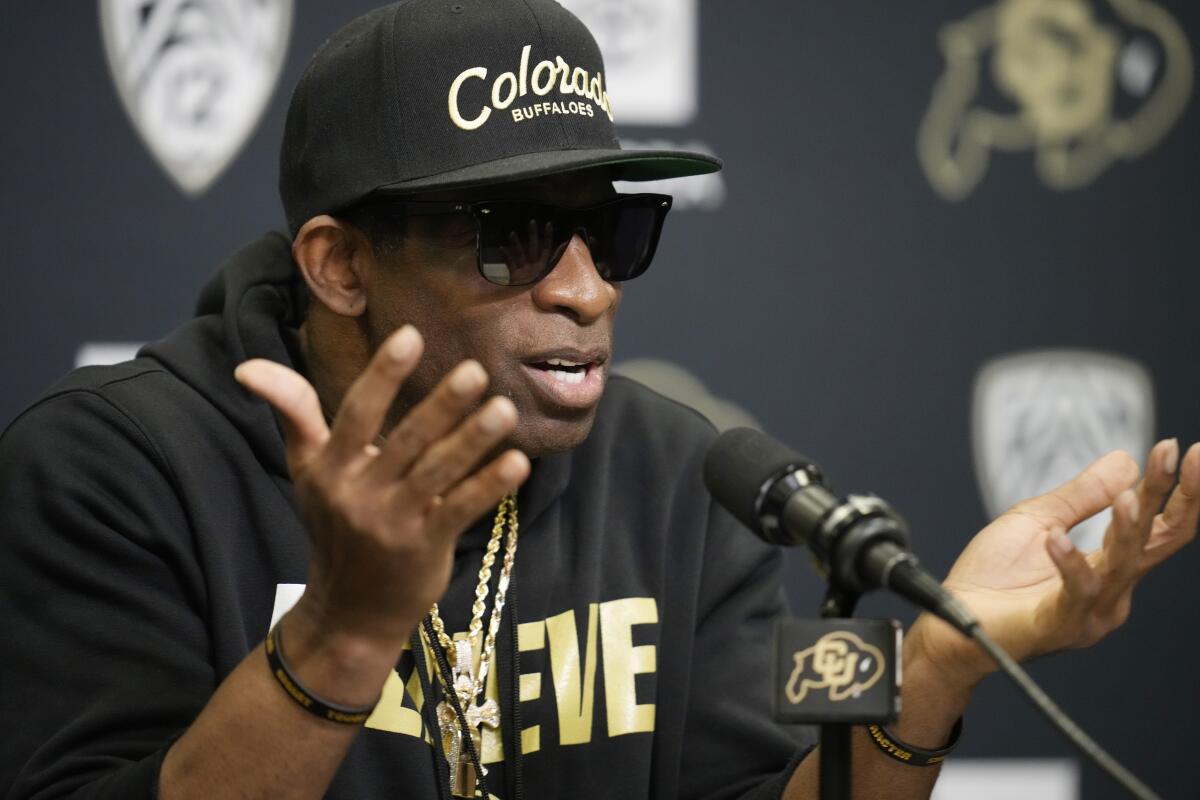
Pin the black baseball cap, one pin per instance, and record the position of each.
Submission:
(439, 94)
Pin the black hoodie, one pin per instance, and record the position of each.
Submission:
(149, 535)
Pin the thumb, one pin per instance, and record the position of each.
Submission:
(304, 428)
(1088, 493)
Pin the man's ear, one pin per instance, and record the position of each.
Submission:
(334, 257)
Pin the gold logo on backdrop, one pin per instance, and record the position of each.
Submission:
(1078, 82)
(840, 662)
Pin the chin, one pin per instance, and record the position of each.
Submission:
(547, 436)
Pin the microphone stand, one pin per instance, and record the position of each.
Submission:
(834, 778)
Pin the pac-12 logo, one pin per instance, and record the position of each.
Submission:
(840, 662)
(195, 77)
(1039, 418)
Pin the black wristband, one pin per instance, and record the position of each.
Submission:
(906, 753)
(303, 697)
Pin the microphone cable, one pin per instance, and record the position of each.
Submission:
(1058, 718)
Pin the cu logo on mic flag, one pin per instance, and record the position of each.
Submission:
(195, 78)
(836, 670)
(840, 663)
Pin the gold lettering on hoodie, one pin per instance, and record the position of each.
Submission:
(574, 687)
(573, 661)
(391, 714)
(623, 662)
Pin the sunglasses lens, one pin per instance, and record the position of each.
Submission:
(626, 242)
(519, 243)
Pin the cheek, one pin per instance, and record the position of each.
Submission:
(454, 331)
(389, 311)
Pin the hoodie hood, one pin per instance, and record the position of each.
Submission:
(251, 308)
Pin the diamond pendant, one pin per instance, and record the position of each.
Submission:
(463, 783)
(464, 671)
(463, 779)
(451, 741)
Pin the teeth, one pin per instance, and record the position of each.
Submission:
(566, 377)
(559, 362)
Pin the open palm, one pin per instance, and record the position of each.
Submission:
(1035, 593)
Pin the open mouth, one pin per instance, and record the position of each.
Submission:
(560, 369)
(572, 380)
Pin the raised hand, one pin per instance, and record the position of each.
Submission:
(537, 249)
(1035, 593)
(384, 515)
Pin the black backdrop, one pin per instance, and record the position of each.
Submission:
(833, 293)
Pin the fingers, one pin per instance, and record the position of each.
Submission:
(1182, 507)
(431, 452)
(1176, 525)
(1159, 477)
(1088, 493)
(545, 253)
(1081, 584)
(535, 244)
(430, 420)
(451, 458)
(304, 429)
(1120, 559)
(480, 493)
(368, 399)
(517, 249)
(1135, 542)
(1121, 554)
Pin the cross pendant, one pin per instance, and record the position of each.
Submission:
(462, 770)
(463, 783)
(477, 716)
(463, 779)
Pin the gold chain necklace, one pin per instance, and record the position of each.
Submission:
(465, 684)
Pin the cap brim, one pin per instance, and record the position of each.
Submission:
(624, 165)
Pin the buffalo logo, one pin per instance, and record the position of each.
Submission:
(840, 662)
(195, 77)
(650, 51)
(1081, 85)
(1039, 418)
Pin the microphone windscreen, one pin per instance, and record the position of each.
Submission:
(739, 466)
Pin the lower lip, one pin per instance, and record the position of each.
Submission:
(570, 395)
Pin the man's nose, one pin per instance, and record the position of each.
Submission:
(575, 287)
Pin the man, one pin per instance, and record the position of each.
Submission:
(435, 333)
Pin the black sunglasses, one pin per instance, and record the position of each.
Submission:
(518, 243)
